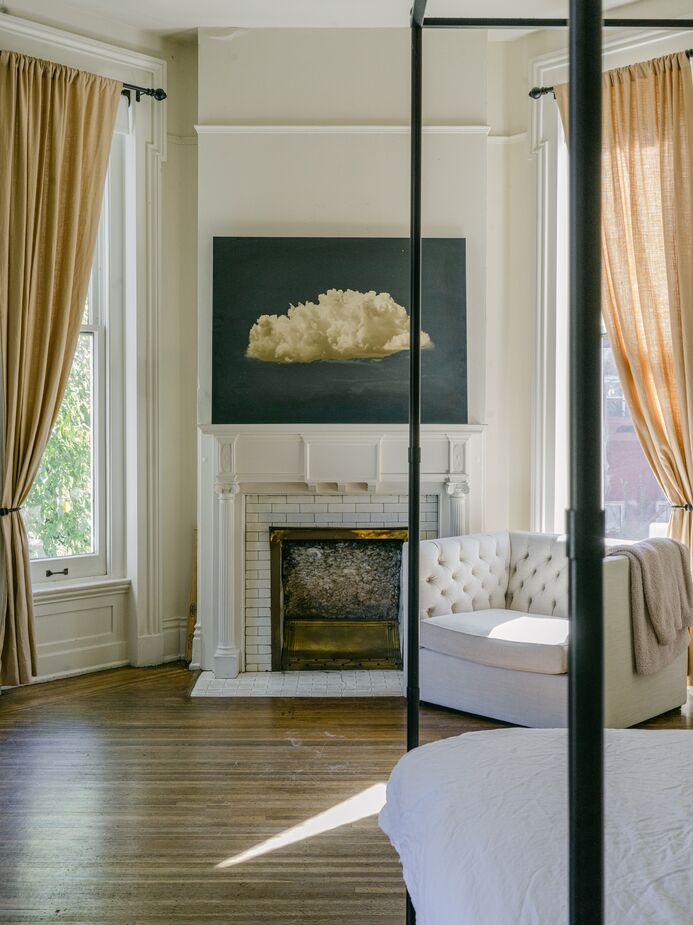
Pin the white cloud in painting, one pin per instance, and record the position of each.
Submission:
(342, 325)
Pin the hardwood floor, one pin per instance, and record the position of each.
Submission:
(119, 796)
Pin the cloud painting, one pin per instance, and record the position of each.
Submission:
(316, 330)
(342, 325)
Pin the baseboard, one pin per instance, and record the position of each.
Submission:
(76, 672)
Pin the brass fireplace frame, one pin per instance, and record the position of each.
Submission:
(376, 634)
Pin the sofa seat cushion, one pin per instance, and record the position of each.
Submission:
(500, 638)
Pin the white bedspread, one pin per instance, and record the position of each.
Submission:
(480, 824)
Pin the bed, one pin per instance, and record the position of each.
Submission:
(480, 825)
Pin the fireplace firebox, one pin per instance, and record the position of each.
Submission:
(335, 598)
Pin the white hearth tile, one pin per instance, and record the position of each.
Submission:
(375, 683)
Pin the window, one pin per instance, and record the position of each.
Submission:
(634, 504)
(61, 509)
(69, 514)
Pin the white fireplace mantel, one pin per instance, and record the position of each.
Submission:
(238, 460)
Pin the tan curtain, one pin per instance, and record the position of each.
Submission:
(647, 245)
(55, 139)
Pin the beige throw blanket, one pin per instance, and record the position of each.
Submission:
(661, 601)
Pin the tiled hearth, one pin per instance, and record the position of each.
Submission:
(306, 510)
(302, 684)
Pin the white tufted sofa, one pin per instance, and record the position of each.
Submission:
(494, 633)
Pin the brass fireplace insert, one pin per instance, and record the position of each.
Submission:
(335, 597)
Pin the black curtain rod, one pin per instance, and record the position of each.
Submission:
(536, 93)
(158, 94)
(456, 23)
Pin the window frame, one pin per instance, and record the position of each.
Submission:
(104, 323)
(549, 488)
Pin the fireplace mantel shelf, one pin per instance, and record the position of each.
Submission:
(341, 458)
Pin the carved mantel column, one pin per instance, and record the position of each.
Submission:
(457, 490)
(227, 656)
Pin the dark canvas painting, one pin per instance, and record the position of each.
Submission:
(315, 331)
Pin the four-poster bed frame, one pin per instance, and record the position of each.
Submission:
(585, 517)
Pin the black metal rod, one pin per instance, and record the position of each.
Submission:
(158, 94)
(414, 392)
(418, 11)
(414, 526)
(437, 22)
(585, 517)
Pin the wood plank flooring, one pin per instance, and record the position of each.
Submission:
(119, 795)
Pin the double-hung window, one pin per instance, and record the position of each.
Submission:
(70, 515)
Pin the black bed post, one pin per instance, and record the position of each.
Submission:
(417, 16)
(585, 516)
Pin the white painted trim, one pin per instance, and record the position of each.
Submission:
(57, 676)
(80, 590)
(335, 431)
(324, 129)
(516, 138)
(552, 70)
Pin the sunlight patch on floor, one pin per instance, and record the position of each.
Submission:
(364, 804)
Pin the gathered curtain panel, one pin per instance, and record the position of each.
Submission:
(55, 141)
(647, 248)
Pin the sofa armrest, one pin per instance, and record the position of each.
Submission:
(619, 662)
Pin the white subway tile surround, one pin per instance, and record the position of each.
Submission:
(263, 511)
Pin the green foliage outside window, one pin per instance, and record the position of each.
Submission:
(59, 510)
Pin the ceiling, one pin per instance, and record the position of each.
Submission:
(167, 16)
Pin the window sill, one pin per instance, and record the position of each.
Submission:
(78, 590)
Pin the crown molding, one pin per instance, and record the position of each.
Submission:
(348, 129)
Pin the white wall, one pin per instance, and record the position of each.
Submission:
(272, 166)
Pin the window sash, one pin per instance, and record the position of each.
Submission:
(103, 322)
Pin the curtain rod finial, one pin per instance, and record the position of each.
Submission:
(536, 93)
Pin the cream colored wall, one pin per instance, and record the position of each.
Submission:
(510, 281)
(177, 338)
(327, 183)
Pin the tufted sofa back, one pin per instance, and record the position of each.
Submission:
(517, 571)
(463, 573)
(538, 579)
